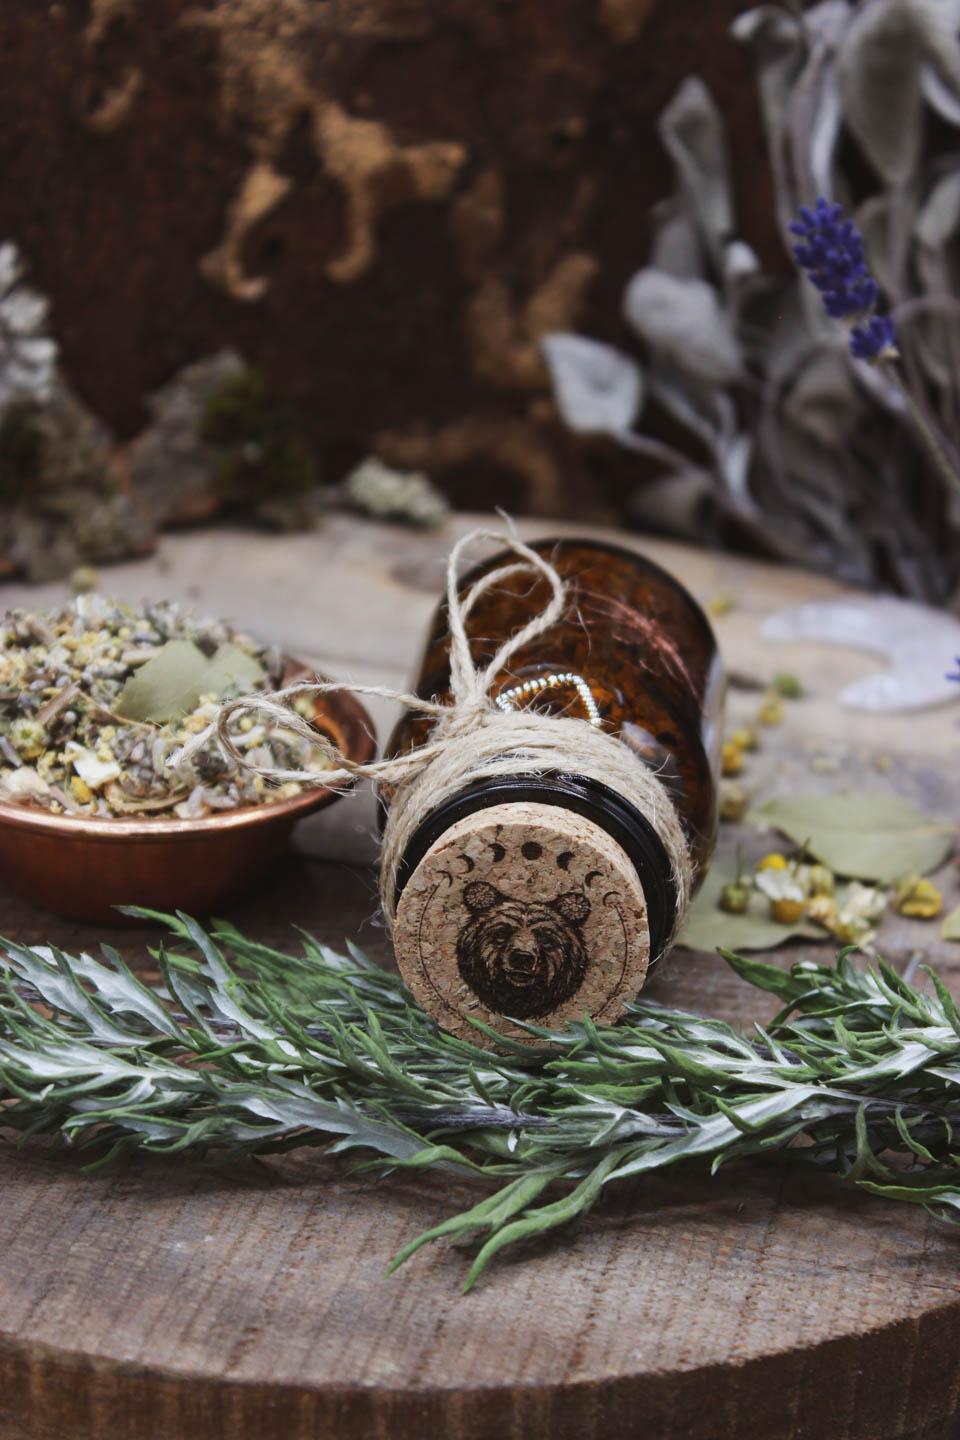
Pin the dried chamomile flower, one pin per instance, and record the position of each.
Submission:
(781, 887)
(84, 580)
(734, 800)
(867, 901)
(817, 879)
(28, 737)
(731, 762)
(735, 897)
(771, 710)
(859, 906)
(719, 605)
(823, 910)
(851, 930)
(774, 861)
(746, 738)
(97, 696)
(917, 898)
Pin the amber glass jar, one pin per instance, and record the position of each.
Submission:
(635, 655)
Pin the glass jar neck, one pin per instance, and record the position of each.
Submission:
(584, 796)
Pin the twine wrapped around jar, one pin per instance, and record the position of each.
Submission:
(472, 738)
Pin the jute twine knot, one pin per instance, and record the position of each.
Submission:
(471, 738)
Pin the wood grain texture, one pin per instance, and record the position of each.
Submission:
(166, 1300)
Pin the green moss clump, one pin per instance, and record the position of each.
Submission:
(261, 455)
(21, 451)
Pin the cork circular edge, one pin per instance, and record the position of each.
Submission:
(527, 912)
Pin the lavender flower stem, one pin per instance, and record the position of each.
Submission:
(830, 250)
(924, 432)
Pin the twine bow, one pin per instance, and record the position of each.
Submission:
(471, 705)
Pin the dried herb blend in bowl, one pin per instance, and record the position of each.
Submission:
(96, 699)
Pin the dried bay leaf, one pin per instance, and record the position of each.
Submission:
(232, 668)
(171, 683)
(167, 686)
(707, 927)
(950, 928)
(862, 834)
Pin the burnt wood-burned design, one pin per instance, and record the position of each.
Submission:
(520, 957)
(520, 912)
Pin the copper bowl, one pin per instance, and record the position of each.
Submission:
(82, 868)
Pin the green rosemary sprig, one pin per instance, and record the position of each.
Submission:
(245, 1048)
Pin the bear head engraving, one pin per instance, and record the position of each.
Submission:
(522, 958)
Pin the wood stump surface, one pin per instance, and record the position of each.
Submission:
(168, 1299)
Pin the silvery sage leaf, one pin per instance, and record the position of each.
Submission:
(739, 262)
(879, 74)
(938, 23)
(780, 53)
(676, 504)
(939, 218)
(598, 390)
(937, 332)
(939, 95)
(824, 401)
(873, 221)
(829, 21)
(692, 133)
(824, 133)
(694, 405)
(683, 321)
(736, 454)
(676, 246)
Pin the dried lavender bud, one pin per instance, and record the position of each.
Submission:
(831, 252)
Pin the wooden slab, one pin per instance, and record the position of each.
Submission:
(169, 1299)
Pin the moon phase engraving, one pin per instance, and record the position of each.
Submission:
(544, 919)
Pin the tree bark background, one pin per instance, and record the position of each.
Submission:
(381, 203)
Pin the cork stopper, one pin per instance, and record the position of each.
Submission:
(522, 910)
